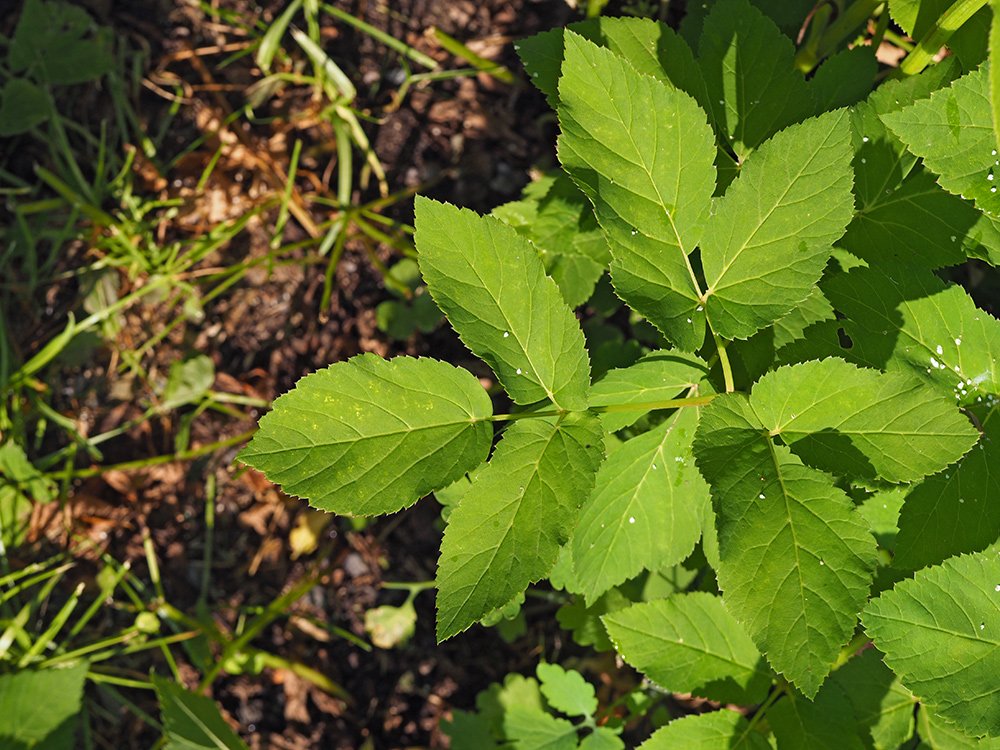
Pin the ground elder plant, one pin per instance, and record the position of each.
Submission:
(802, 434)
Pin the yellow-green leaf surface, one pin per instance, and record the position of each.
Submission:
(690, 643)
(646, 510)
(940, 632)
(651, 47)
(650, 179)
(492, 286)
(658, 376)
(519, 510)
(370, 435)
(860, 422)
(796, 560)
(952, 132)
(772, 233)
(708, 731)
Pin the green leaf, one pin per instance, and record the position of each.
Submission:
(560, 223)
(188, 381)
(952, 132)
(520, 509)
(860, 422)
(646, 511)
(796, 560)
(658, 376)
(566, 690)
(492, 287)
(602, 738)
(535, 730)
(954, 511)
(468, 731)
(940, 632)
(638, 171)
(709, 731)
(915, 323)
(937, 734)
(844, 79)
(192, 721)
(920, 224)
(881, 161)
(690, 643)
(749, 67)
(38, 708)
(826, 724)
(813, 309)
(772, 233)
(883, 708)
(371, 436)
(59, 43)
(651, 47)
(22, 106)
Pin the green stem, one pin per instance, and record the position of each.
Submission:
(779, 691)
(855, 15)
(671, 403)
(727, 370)
(848, 651)
(142, 463)
(938, 35)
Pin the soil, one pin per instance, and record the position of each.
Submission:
(471, 141)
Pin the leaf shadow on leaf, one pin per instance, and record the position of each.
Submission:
(728, 690)
(832, 451)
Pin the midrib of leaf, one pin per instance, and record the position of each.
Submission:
(659, 197)
(638, 487)
(513, 332)
(748, 244)
(791, 524)
(658, 636)
(518, 500)
(201, 725)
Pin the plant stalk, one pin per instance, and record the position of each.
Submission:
(938, 35)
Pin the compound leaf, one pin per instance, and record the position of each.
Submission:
(492, 286)
(690, 643)
(646, 511)
(650, 179)
(940, 632)
(371, 436)
(773, 231)
(519, 510)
